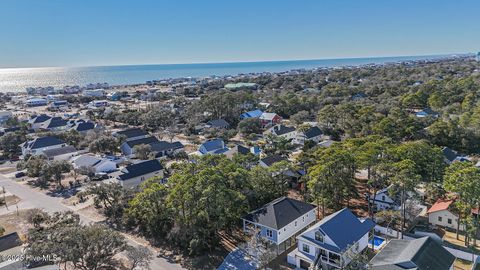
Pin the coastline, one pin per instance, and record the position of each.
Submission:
(18, 79)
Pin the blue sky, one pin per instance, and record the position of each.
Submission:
(114, 32)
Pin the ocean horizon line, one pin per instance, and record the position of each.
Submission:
(241, 62)
(18, 79)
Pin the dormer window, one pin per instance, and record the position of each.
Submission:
(319, 236)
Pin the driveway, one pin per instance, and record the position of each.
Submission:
(236, 260)
(30, 198)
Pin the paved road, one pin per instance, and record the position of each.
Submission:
(31, 198)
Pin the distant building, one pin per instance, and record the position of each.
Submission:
(33, 102)
(94, 93)
(98, 104)
(5, 115)
(477, 57)
(269, 119)
(99, 165)
(215, 146)
(218, 123)
(131, 134)
(251, 114)
(238, 86)
(288, 133)
(39, 145)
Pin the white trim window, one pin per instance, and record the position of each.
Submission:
(269, 233)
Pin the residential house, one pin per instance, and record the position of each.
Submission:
(94, 92)
(98, 164)
(313, 134)
(426, 113)
(37, 121)
(83, 127)
(269, 119)
(164, 148)
(131, 134)
(330, 243)
(383, 200)
(54, 124)
(417, 254)
(62, 153)
(127, 147)
(218, 123)
(39, 145)
(251, 114)
(133, 175)
(280, 220)
(242, 150)
(97, 104)
(33, 102)
(358, 96)
(288, 133)
(215, 146)
(270, 160)
(441, 214)
(5, 115)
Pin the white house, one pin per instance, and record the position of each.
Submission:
(288, 133)
(39, 145)
(94, 93)
(133, 175)
(312, 134)
(131, 134)
(62, 153)
(330, 243)
(440, 214)
(99, 165)
(280, 220)
(383, 200)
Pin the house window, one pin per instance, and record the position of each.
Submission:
(269, 233)
(319, 236)
(449, 221)
(306, 248)
(440, 219)
(303, 219)
(383, 198)
(295, 224)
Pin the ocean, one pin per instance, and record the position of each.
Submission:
(17, 79)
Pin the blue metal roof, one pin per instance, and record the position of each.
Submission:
(344, 228)
(251, 114)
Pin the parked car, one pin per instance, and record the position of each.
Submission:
(19, 174)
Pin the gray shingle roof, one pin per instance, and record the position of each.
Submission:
(86, 161)
(44, 142)
(59, 151)
(147, 140)
(313, 132)
(270, 160)
(279, 213)
(420, 254)
(281, 130)
(219, 123)
(132, 133)
(141, 168)
(9, 241)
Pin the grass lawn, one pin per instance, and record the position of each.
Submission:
(451, 237)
